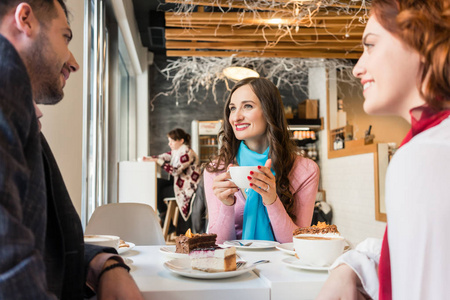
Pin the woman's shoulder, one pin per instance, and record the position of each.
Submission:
(304, 167)
(303, 170)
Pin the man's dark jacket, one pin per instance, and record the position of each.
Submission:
(42, 255)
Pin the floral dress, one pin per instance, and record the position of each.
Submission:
(183, 164)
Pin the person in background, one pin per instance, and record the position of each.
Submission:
(282, 198)
(183, 164)
(41, 239)
(405, 71)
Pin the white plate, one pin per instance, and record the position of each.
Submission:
(294, 262)
(182, 266)
(287, 248)
(170, 252)
(125, 249)
(256, 244)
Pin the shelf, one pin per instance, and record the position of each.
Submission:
(204, 146)
(305, 124)
(304, 142)
(371, 148)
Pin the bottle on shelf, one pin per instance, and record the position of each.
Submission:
(338, 142)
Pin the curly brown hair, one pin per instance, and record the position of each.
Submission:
(424, 25)
(282, 148)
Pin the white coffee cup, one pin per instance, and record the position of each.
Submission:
(317, 250)
(103, 240)
(239, 175)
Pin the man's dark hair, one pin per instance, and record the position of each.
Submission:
(44, 10)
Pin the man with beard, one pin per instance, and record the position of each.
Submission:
(42, 254)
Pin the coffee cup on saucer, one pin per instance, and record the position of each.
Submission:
(103, 240)
(318, 250)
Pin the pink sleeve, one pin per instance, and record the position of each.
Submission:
(221, 218)
(304, 180)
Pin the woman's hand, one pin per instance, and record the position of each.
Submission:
(145, 158)
(224, 189)
(341, 285)
(264, 184)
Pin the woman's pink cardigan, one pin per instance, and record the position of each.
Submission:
(226, 221)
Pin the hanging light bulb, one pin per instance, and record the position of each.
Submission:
(239, 73)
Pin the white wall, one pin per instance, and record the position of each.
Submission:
(348, 181)
(62, 124)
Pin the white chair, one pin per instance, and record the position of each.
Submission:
(132, 222)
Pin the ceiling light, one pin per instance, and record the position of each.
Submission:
(275, 21)
(239, 73)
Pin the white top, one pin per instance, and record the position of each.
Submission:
(418, 207)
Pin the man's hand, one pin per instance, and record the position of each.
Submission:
(117, 284)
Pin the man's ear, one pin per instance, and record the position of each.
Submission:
(25, 20)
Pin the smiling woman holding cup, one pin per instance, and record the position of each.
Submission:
(282, 193)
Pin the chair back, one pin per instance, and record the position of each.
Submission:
(132, 222)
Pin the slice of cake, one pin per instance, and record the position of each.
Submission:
(320, 229)
(189, 241)
(213, 259)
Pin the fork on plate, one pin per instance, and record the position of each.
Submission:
(242, 263)
(242, 244)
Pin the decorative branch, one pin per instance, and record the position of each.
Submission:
(292, 14)
(196, 74)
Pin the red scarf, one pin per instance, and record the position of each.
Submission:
(427, 118)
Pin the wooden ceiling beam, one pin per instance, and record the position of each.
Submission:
(318, 24)
(237, 32)
(298, 39)
(262, 46)
(278, 53)
(277, 5)
(261, 18)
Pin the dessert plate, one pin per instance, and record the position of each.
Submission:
(182, 266)
(170, 252)
(255, 244)
(297, 263)
(125, 249)
(287, 248)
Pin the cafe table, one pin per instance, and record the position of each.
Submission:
(274, 280)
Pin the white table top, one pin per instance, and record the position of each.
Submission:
(274, 280)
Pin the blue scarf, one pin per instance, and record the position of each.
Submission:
(256, 219)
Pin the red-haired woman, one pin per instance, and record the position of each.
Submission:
(405, 71)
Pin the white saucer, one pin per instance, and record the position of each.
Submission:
(125, 249)
(256, 244)
(170, 252)
(287, 248)
(182, 266)
(296, 263)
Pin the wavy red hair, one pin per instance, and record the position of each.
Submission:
(423, 25)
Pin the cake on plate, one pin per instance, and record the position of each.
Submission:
(213, 259)
(320, 229)
(189, 241)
